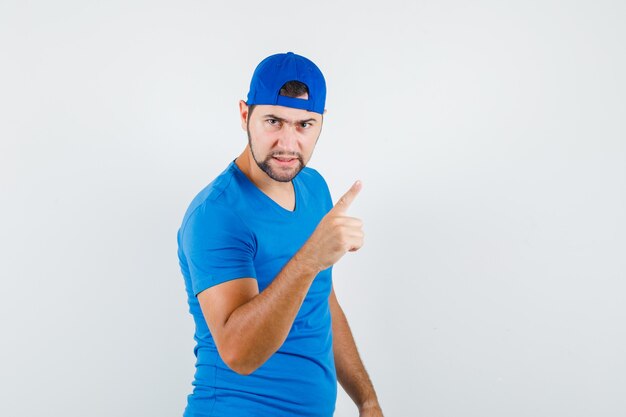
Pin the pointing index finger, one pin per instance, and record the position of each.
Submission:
(346, 200)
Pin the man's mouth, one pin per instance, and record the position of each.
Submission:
(282, 160)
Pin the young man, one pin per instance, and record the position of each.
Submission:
(256, 248)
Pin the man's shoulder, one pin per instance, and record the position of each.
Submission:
(311, 175)
(213, 218)
(316, 186)
(215, 198)
(215, 188)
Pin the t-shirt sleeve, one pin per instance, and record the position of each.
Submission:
(218, 247)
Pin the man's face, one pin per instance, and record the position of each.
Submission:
(282, 139)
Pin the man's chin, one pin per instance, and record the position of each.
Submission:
(283, 175)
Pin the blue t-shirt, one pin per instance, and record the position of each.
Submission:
(233, 230)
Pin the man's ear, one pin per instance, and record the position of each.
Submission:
(243, 113)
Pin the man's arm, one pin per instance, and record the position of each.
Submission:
(351, 373)
(248, 326)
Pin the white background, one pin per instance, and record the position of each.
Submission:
(491, 140)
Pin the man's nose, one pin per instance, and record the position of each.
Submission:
(288, 137)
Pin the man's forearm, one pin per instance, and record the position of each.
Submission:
(256, 329)
(351, 373)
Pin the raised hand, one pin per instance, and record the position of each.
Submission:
(336, 234)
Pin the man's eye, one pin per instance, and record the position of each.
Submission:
(272, 122)
(305, 125)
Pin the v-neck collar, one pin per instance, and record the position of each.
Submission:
(264, 197)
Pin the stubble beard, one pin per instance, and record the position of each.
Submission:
(264, 165)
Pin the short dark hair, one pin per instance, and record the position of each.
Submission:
(289, 89)
(293, 89)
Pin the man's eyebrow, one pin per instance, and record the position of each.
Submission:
(273, 116)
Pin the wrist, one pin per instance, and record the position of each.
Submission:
(306, 261)
(371, 404)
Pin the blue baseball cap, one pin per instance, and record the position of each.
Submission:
(275, 70)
